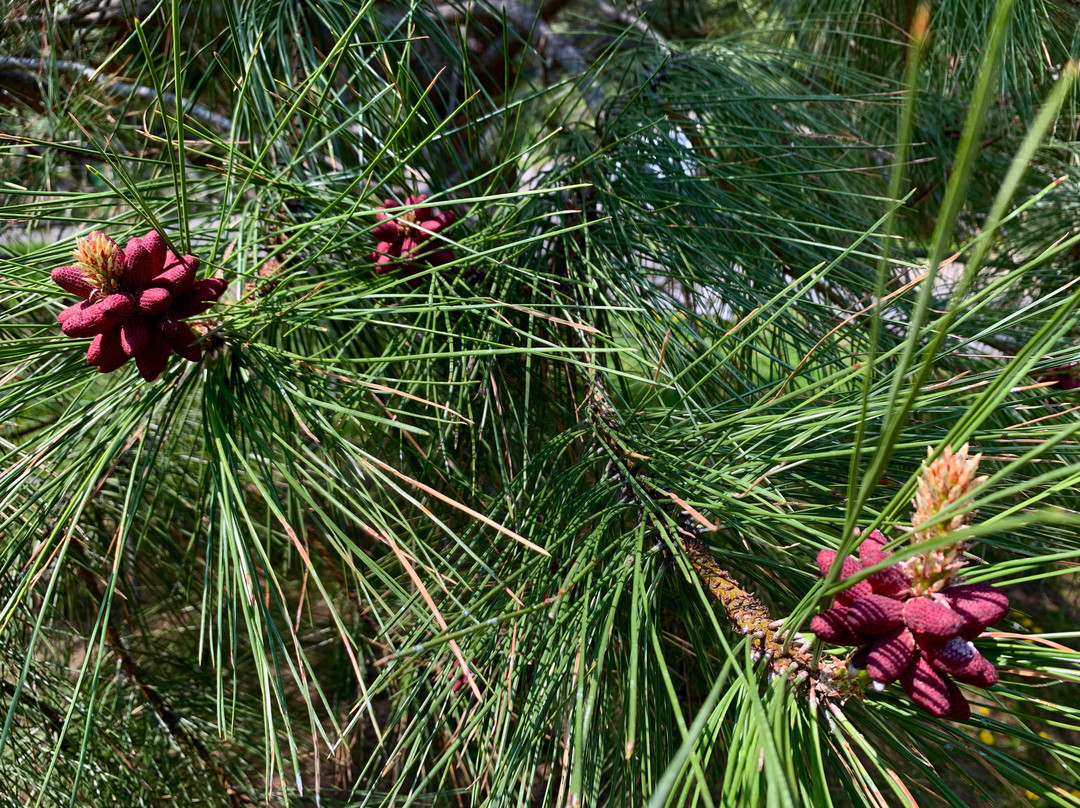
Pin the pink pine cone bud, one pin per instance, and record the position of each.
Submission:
(927, 688)
(890, 657)
(959, 709)
(832, 626)
(860, 590)
(416, 199)
(437, 223)
(133, 335)
(119, 305)
(875, 614)
(952, 656)
(153, 300)
(927, 618)
(71, 311)
(385, 251)
(439, 257)
(95, 318)
(1063, 377)
(387, 227)
(200, 297)
(181, 338)
(73, 280)
(106, 353)
(870, 554)
(825, 560)
(875, 540)
(153, 357)
(979, 672)
(144, 258)
(178, 275)
(891, 580)
(979, 605)
(73, 316)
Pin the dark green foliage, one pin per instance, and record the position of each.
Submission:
(683, 305)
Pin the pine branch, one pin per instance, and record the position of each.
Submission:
(117, 87)
(165, 713)
(532, 26)
(746, 613)
(114, 13)
(54, 716)
(637, 23)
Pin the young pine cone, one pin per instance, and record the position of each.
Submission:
(134, 300)
(921, 640)
(404, 239)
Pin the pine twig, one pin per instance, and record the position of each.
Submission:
(531, 25)
(636, 22)
(161, 708)
(747, 614)
(111, 84)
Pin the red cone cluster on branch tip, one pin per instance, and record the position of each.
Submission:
(921, 640)
(1063, 377)
(404, 238)
(134, 299)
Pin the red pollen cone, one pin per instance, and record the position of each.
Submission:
(73, 280)
(952, 656)
(927, 688)
(875, 614)
(832, 626)
(979, 605)
(133, 335)
(959, 709)
(178, 275)
(890, 657)
(152, 359)
(105, 352)
(930, 619)
(88, 320)
(980, 672)
(153, 300)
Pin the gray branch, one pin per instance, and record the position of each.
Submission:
(636, 22)
(117, 87)
(541, 36)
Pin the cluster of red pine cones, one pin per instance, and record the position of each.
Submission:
(134, 299)
(922, 640)
(403, 239)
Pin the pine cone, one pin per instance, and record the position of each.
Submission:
(133, 299)
(404, 239)
(919, 639)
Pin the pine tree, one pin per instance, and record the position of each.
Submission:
(567, 404)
